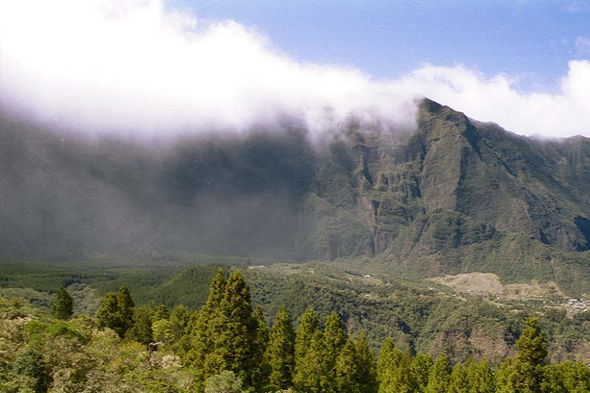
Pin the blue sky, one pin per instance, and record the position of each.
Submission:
(528, 40)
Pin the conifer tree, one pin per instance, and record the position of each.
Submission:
(116, 311)
(141, 330)
(576, 377)
(108, 313)
(262, 330)
(280, 353)
(308, 325)
(312, 374)
(63, 305)
(126, 307)
(504, 377)
(531, 346)
(201, 332)
(185, 347)
(160, 312)
(394, 370)
(525, 373)
(261, 372)
(366, 375)
(179, 320)
(162, 332)
(459, 382)
(421, 365)
(481, 378)
(554, 380)
(385, 364)
(530, 357)
(335, 338)
(440, 375)
(232, 346)
(346, 370)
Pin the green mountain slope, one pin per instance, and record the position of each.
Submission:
(454, 195)
(458, 195)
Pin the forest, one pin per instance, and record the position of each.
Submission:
(228, 346)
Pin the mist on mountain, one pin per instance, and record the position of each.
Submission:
(363, 189)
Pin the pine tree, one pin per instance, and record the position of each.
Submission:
(179, 320)
(63, 305)
(505, 377)
(223, 335)
(141, 330)
(232, 345)
(385, 365)
(280, 353)
(366, 375)
(262, 330)
(307, 327)
(161, 312)
(186, 351)
(108, 313)
(421, 365)
(566, 377)
(198, 344)
(346, 370)
(481, 378)
(335, 338)
(576, 377)
(525, 373)
(554, 381)
(530, 357)
(312, 374)
(261, 372)
(440, 375)
(162, 332)
(116, 311)
(125, 306)
(459, 382)
(394, 370)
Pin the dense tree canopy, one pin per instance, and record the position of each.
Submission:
(227, 346)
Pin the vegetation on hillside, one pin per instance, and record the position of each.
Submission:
(452, 196)
(419, 316)
(227, 346)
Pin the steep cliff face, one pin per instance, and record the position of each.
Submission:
(475, 172)
(459, 195)
(452, 195)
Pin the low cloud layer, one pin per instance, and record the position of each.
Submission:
(136, 65)
(500, 100)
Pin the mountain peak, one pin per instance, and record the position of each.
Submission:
(428, 105)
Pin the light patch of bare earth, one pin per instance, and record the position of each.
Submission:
(483, 284)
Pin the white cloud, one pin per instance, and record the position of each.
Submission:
(132, 63)
(107, 64)
(498, 99)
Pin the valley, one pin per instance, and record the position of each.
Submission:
(471, 315)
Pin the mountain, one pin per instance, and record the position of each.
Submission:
(457, 195)
(454, 195)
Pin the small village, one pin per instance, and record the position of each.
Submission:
(577, 306)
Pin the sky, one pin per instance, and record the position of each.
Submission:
(160, 66)
(529, 40)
